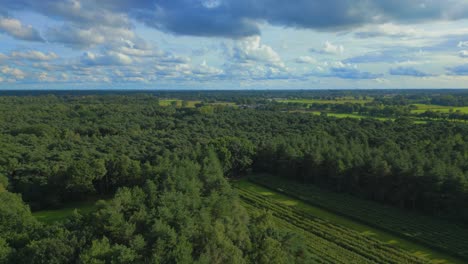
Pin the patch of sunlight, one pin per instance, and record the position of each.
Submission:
(267, 193)
(368, 233)
(289, 202)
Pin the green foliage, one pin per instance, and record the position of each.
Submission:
(3, 183)
(165, 161)
(103, 252)
(16, 221)
(235, 154)
(5, 251)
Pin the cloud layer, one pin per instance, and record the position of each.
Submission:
(155, 41)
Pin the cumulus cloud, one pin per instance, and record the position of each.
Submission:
(305, 60)
(205, 70)
(251, 49)
(463, 53)
(109, 58)
(334, 49)
(16, 29)
(329, 48)
(408, 71)
(34, 55)
(249, 58)
(13, 73)
(463, 44)
(78, 37)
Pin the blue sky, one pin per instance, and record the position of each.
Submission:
(233, 44)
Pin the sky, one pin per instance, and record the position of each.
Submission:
(233, 44)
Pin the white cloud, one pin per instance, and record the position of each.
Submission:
(204, 70)
(249, 59)
(34, 55)
(463, 53)
(13, 73)
(332, 49)
(305, 59)
(388, 30)
(109, 58)
(251, 49)
(16, 29)
(78, 37)
(45, 77)
(462, 44)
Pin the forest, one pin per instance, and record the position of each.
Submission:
(164, 166)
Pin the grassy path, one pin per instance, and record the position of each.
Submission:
(365, 230)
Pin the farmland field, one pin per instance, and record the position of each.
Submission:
(341, 100)
(190, 103)
(168, 102)
(334, 238)
(421, 108)
(433, 233)
(343, 115)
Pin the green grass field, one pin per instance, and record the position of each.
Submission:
(168, 102)
(341, 115)
(192, 103)
(334, 238)
(342, 100)
(400, 226)
(421, 108)
(50, 216)
(357, 116)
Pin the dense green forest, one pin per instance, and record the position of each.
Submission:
(168, 166)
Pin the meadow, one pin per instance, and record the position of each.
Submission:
(421, 108)
(190, 103)
(339, 100)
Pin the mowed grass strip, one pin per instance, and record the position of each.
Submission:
(415, 249)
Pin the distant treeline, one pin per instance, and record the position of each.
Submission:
(447, 97)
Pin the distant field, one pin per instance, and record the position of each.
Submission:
(333, 238)
(431, 232)
(341, 115)
(421, 108)
(50, 216)
(318, 101)
(190, 103)
(168, 102)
